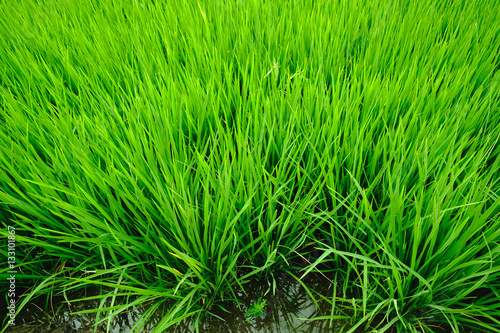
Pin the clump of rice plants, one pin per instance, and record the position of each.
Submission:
(171, 151)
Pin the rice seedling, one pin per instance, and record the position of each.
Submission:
(173, 151)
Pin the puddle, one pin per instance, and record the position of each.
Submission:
(281, 313)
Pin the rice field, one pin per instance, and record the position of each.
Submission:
(171, 152)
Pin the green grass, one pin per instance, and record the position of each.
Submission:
(173, 151)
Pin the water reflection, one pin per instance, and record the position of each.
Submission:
(289, 302)
(286, 302)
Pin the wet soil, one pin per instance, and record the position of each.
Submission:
(287, 304)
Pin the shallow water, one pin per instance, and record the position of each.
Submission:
(284, 311)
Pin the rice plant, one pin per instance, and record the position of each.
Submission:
(172, 151)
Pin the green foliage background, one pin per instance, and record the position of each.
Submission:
(174, 150)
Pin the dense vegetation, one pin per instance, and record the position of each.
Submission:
(174, 150)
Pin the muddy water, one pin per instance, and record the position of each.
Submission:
(284, 311)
